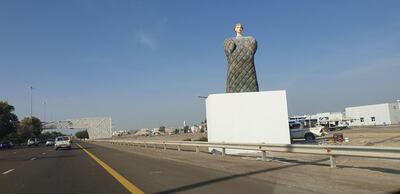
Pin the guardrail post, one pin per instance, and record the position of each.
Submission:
(179, 148)
(165, 146)
(333, 161)
(197, 149)
(264, 155)
(223, 152)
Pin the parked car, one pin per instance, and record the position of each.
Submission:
(6, 144)
(32, 141)
(299, 131)
(50, 142)
(62, 142)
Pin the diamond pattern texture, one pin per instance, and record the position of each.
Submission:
(241, 70)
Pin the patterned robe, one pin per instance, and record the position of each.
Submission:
(241, 70)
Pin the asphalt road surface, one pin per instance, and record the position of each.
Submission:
(44, 170)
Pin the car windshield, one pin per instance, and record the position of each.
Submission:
(62, 138)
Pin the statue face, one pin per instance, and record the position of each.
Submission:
(238, 28)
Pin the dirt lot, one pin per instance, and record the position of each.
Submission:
(374, 136)
(366, 136)
(177, 137)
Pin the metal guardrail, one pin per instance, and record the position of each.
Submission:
(329, 150)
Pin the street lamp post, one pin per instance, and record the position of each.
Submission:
(205, 98)
(44, 114)
(31, 88)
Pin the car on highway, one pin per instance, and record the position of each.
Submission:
(62, 142)
(299, 131)
(6, 144)
(32, 141)
(50, 142)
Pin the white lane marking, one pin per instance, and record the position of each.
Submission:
(33, 158)
(155, 172)
(8, 171)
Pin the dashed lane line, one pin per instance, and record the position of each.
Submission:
(8, 171)
(128, 185)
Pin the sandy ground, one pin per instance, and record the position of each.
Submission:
(177, 137)
(366, 136)
(374, 136)
(353, 175)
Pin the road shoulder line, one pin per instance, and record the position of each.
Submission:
(127, 184)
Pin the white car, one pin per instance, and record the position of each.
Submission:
(299, 131)
(62, 142)
(32, 141)
(50, 142)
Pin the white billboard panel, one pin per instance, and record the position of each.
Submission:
(253, 117)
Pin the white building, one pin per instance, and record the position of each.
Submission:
(377, 114)
(330, 116)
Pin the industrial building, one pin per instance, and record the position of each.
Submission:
(367, 115)
(377, 114)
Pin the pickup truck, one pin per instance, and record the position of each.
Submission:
(299, 131)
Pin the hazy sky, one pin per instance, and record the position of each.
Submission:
(145, 62)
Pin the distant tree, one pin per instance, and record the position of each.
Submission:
(8, 120)
(30, 127)
(186, 129)
(82, 134)
(55, 134)
(162, 129)
(203, 126)
(24, 131)
(51, 135)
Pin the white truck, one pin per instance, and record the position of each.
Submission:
(299, 131)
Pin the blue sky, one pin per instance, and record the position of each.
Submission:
(145, 62)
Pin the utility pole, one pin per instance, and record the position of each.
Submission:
(44, 116)
(31, 88)
(204, 126)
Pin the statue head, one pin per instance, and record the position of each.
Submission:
(238, 29)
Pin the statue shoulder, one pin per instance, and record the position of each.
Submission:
(251, 38)
(229, 41)
(229, 45)
(253, 41)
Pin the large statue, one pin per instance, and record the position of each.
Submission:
(240, 52)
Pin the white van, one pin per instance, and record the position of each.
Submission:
(62, 142)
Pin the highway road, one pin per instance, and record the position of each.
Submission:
(88, 168)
